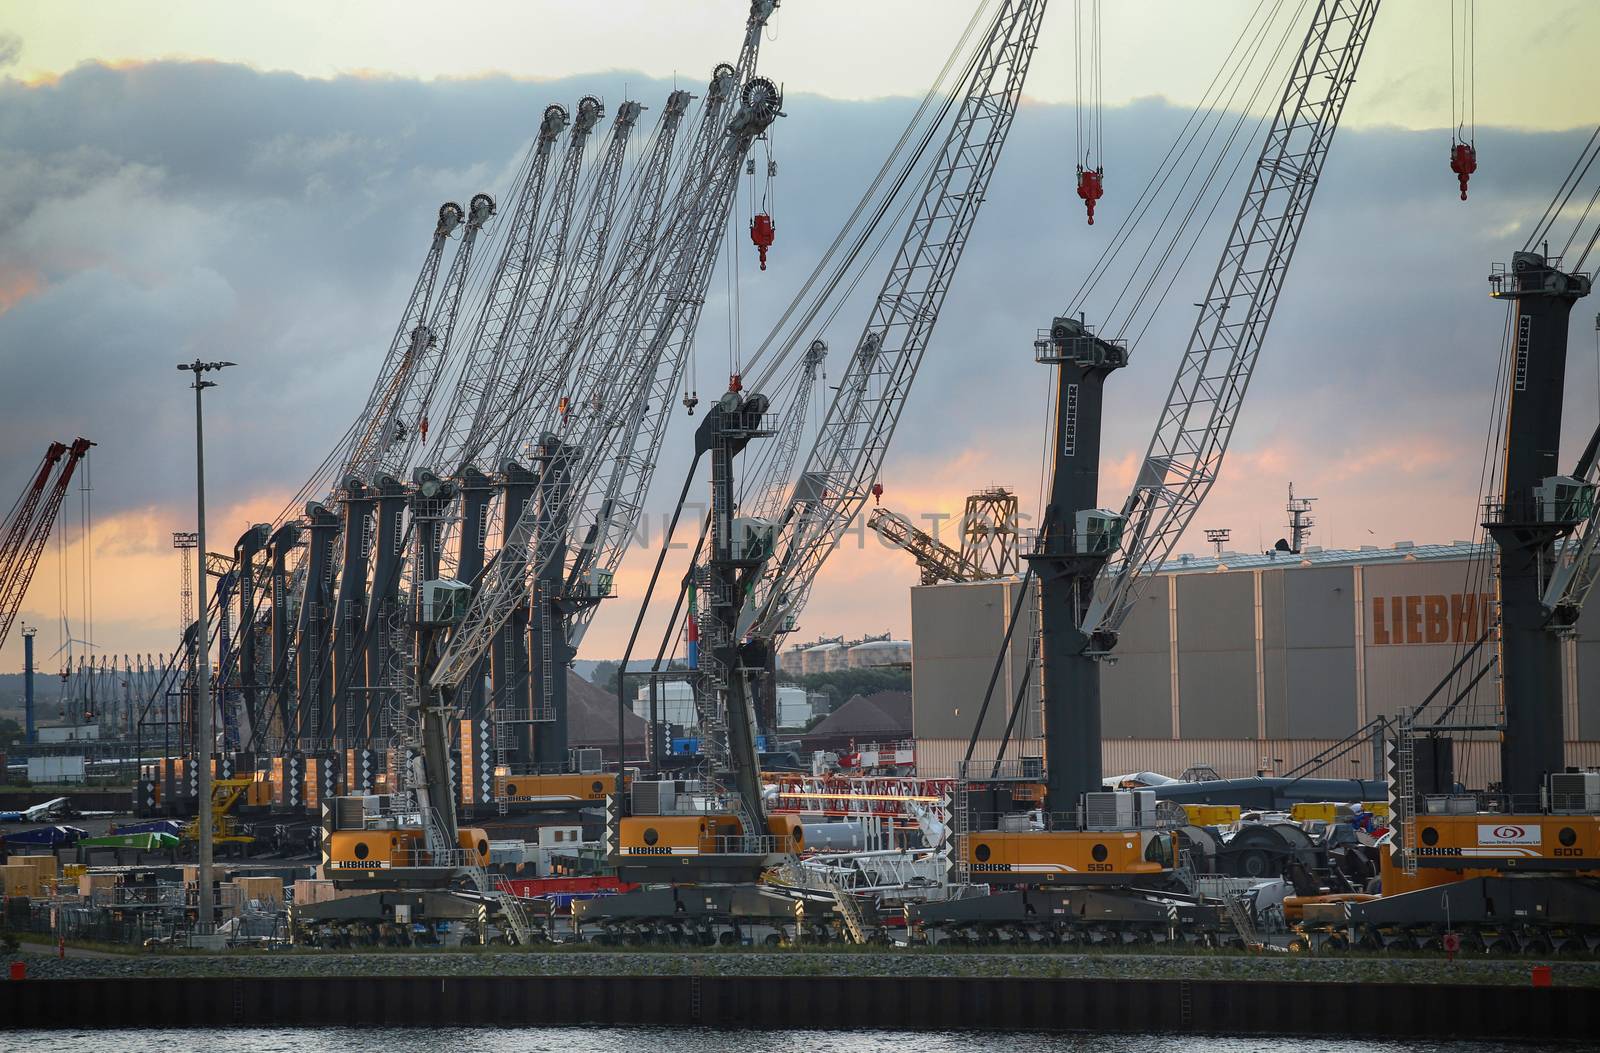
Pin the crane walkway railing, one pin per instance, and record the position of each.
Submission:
(851, 916)
(1239, 914)
(497, 889)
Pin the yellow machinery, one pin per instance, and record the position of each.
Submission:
(397, 857)
(565, 788)
(1491, 881)
(701, 847)
(1451, 848)
(1212, 814)
(225, 793)
(1068, 857)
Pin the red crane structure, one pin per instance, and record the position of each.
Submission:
(28, 526)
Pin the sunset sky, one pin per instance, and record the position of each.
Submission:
(257, 182)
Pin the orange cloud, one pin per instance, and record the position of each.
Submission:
(17, 283)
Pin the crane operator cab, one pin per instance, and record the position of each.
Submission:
(686, 839)
(1114, 839)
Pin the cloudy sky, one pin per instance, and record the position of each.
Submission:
(258, 182)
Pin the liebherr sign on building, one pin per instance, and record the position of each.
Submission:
(1277, 648)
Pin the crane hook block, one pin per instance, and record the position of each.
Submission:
(1464, 162)
(877, 493)
(1090, 188)
(762, 232)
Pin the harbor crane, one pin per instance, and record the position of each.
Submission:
(28, 526)
(746, 554)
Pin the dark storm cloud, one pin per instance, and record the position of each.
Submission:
(159, 211)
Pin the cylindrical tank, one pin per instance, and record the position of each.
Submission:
(835, 836)
(879, 653)
(816, 658)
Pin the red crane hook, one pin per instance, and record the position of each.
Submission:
(762, 232)
(1091, 188)
(1463, 162)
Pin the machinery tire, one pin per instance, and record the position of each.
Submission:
(1536, 946)
(1253, 864)
(773, 939)
(1299, 945)
(1501, 947)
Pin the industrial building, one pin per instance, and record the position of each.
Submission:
(1243, 662)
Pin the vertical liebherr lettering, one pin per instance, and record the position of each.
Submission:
(1069, 441)
(1524, 328)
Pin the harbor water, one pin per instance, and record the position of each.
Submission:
(700, 1040)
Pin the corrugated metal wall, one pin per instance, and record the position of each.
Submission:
(1477, 763)
(956, 632)
(1244, 669)
(1299, 652)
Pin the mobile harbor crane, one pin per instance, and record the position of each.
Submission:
(757, 571)
(1080, 860)
(456, 623)
(1516, 870)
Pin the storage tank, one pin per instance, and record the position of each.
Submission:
(794, 707)
(816, 657)
(835, 658)
(877, 653)
(674, 703)
(793, 661)
(823, 835)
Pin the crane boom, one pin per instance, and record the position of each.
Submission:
(767, 493)
(21, 553)
(622, 455)
(1195, 425)
(503, 305)
(374, 430)
(683, 267)
(408, 421)
(849, 449)
(582, 289)
(497, 422)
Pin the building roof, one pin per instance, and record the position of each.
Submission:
(1317, 556)
(882, 714)
(592, 715)
(1312, 556)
